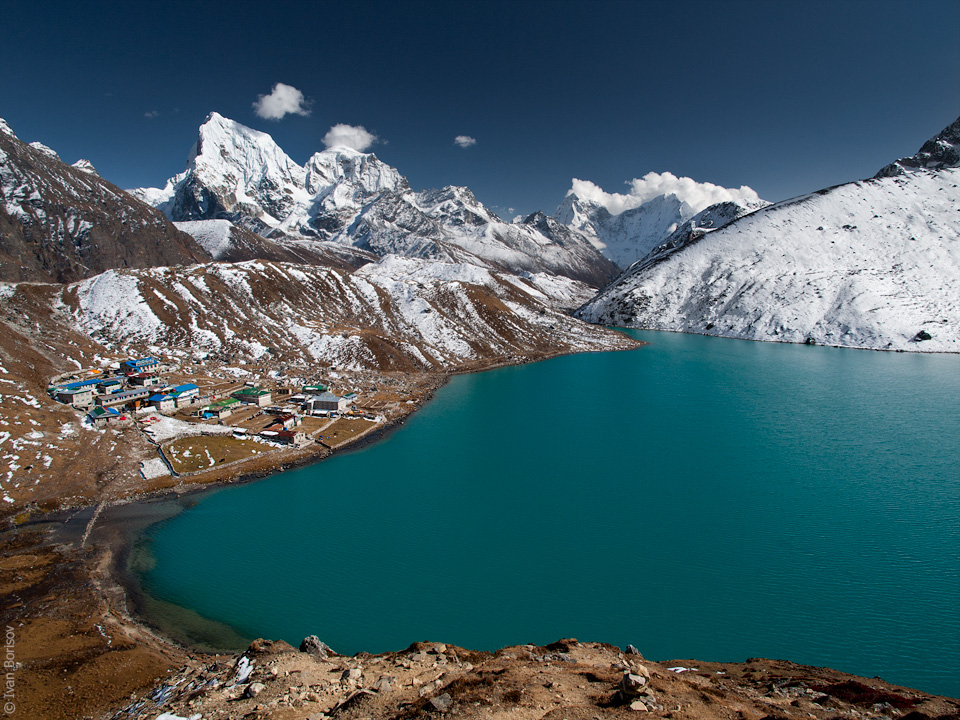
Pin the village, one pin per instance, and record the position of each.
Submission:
(201, 421)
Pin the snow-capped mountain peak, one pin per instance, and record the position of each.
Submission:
(233, 172)
(367, 175)
(86, 166)
(48, 151)
(456, 206)
(353, 198)
(249, 163)
(627, 226)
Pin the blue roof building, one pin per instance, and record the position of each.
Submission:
(139, 365)
(79, 385)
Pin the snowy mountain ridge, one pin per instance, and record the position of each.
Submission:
(625, 227)
(397, 314)
(353, 198)
(871, 264)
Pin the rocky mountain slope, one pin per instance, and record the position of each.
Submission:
(942, 151)
(627, 227)
(61, 223)
(227, 242)
(871, 264)
(353, 199)
(395, 314)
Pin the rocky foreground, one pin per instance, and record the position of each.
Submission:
(80, 654)
(566, 679)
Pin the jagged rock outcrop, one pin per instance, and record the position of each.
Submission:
(940, 152)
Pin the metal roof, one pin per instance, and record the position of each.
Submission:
(142, 361)
(79, 384)
(101, 411)
(325, 397)
(126, 395)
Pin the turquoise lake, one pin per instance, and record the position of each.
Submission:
(698, 498)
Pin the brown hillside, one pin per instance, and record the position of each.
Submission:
(60, 224)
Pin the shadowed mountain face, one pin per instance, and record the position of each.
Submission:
(63, 223)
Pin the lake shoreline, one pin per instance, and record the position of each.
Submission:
(92, 584)
(759, 411)
(111, 543)
(124, 544)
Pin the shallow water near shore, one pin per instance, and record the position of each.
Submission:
(698, 497)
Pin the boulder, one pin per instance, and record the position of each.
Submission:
(385, 684)
(351, 675)
(632, 684)
(254, 689)
(313, 645)
(441, 703)
(264, 647)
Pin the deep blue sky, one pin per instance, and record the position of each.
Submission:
(786, 97)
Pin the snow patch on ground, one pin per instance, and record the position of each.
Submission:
(161, 428)
(153, 468)
(212, 235)
(112, 301)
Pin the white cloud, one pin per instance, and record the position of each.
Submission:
(282, 100)
(351, 136)
(464, 141)
(151, 114)
(698, 196)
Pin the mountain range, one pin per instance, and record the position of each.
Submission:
(625, 228)
(353, 199)
(871, 264)
(866, 264)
